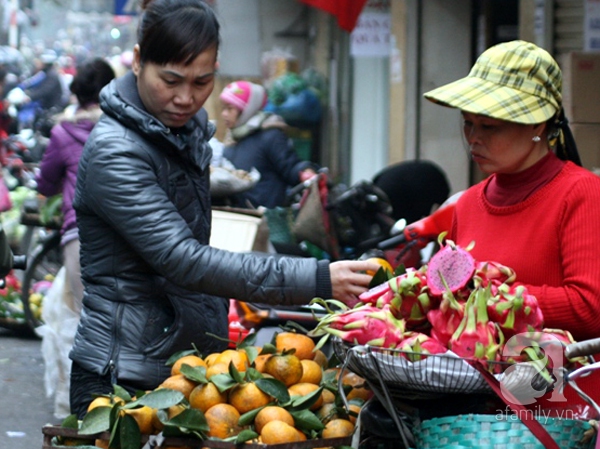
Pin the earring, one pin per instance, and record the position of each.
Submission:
(536, 138)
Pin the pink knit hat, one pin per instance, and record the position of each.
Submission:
(246, 96)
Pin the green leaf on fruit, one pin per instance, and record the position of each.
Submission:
(274, 388)
(306, 420)
(95, 421)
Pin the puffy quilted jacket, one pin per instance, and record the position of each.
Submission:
(153, 286)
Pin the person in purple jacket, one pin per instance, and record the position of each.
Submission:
(58, 169)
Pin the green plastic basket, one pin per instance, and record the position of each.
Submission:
(497, 432)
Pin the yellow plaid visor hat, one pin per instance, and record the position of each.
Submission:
(514, 81)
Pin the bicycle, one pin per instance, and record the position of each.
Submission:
(44, 255)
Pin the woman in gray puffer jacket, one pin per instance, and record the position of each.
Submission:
(153, 285)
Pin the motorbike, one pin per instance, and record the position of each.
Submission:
(411, 239)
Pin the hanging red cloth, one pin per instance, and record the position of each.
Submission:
(346, 11)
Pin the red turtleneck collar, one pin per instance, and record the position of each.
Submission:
(508, 189)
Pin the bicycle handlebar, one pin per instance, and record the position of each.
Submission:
(20, 262)
(583, 348)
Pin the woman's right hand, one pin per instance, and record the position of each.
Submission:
(349, 279)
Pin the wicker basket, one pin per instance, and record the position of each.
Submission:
(499, 432)
(433, 376)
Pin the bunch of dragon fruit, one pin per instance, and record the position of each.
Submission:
(496, 307)
(453, 303)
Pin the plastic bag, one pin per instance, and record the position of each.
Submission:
(313, 221)
(226, 181)
(58, 334)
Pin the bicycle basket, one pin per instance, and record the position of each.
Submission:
(434, 375)
(499, 432)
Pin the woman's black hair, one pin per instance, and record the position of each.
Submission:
(90, 78)
(176, 31)
(565, 146)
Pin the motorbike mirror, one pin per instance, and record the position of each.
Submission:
(398, 227)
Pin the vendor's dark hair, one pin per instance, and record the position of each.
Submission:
(176, 31)
(90, 78)
(561, 138)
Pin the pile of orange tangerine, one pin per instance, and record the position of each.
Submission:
(294, 362)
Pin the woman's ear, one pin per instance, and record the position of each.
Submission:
(136, 63)
(541, 129)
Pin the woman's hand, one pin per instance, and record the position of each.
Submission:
(349, 279)
(307, 174)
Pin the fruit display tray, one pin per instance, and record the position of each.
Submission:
(50, 432)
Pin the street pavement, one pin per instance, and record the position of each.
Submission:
(24, 407)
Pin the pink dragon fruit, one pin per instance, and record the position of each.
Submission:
(515, 310)
(451, 268)
(406, 295)
(492, 272)
(546, 346)
(372, 295)
(477, 337)
(411, 299)
(418, 345)
(364, 325)
(446, 318)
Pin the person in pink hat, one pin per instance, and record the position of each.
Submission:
(256, 139)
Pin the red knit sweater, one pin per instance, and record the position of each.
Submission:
(552, 241)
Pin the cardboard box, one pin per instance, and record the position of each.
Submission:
(587, 138)
(581, 86)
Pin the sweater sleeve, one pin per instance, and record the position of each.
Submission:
(575, 305)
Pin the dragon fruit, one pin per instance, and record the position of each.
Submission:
(378, 296)
(452, 268)
(546, 346)
(418, 345)
(406, 295)
(364, 325)
(477, 337)
(446, 318)
(492, 272)
(411, 299)
(515, 310)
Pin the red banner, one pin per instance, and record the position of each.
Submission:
(346, 11)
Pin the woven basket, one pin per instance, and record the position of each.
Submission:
(497, 432)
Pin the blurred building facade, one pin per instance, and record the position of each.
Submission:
(373, 110)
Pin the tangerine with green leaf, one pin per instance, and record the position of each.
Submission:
(286, 368)
(247, 396)
(303, 344)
